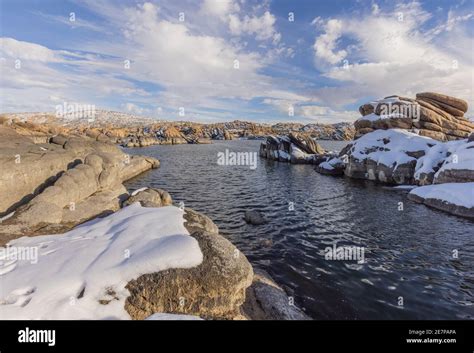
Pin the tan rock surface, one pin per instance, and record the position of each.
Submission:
(213, 290)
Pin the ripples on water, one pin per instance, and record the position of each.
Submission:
(408, 253)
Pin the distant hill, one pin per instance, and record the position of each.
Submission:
(117, 124)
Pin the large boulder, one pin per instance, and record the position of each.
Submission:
(457, 103)
(53, 187)
(387, 156)
(213, 290)
(431, 114)
(305, 143)
(29, 168)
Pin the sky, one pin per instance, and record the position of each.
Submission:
(219, 60)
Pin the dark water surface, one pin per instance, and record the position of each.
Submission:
(408, 253)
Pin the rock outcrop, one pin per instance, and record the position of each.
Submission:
(425, 141)
(213, 290)
(399, 157)
(294, 148)
(68, 180)
(431, 114)
(54, 186)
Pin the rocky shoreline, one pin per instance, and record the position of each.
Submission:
(395, 151)
(62, 194)
(134, 131)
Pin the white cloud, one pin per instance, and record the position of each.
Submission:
(262, 27)
(394, 54)
(133, 108)
(193, 70)
(303, 109)
(325, 44)
(190, 67)
(220, 8)
(26, 51)
(43, 76)
(78, 22)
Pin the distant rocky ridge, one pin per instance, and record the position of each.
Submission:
(136, 131)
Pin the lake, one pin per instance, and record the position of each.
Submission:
(418, 261)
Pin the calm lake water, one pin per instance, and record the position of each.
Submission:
(408, 253)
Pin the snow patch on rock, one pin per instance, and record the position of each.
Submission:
(82, 274)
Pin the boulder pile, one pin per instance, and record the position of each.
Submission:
(433, 115)
(400, 157)
(297, 148)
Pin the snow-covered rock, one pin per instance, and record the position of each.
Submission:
(454, 198)
(215, 289)
(446, 162)
(82, 274)
(388, 156)
(333, 166)
(294, 148)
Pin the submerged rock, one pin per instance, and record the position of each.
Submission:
(254, 217)
(265, 300)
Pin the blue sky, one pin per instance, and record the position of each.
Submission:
(232, 59)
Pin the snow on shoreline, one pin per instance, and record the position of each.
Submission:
(389, 147)
(82, 274)
(459, 194)
(450, 155)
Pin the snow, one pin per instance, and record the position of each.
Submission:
(460, 194)
(461, 156)
(403, 187)
(449, 155)
(385, 100)
(94, 262)
(298, 154)
(374, 117)
(329, 165)
(389, 147)
(326, 165)
(4, 218)
(166, 316)
(284, 155)
(138, 190)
